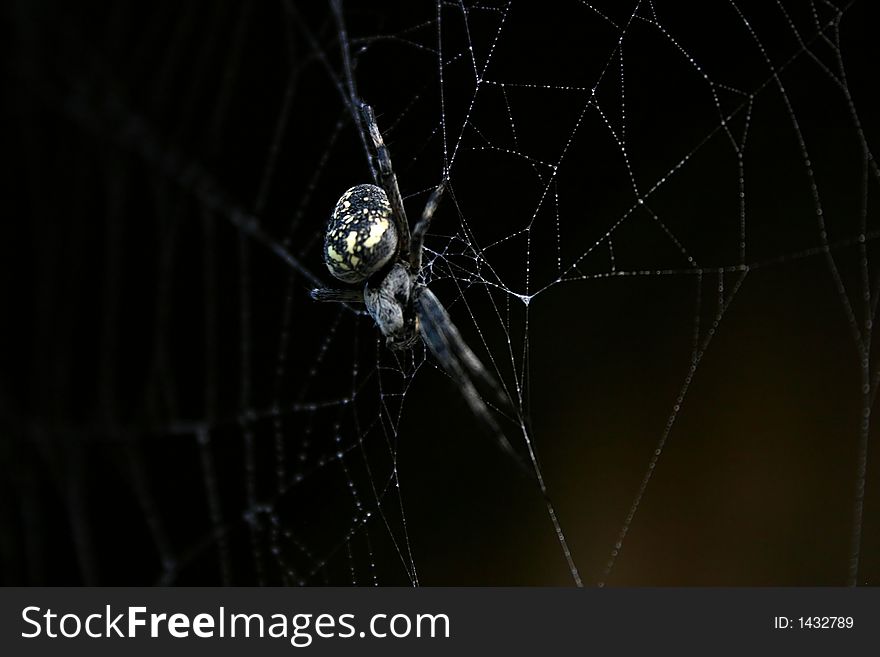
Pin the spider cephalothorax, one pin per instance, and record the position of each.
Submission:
(368, 241)
(390, 302)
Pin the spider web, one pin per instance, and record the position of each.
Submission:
(659, 235)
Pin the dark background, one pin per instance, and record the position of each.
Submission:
(163, 373)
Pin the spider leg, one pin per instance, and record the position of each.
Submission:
(418, 233)
(461, 351)
(386, 179)
(339, 296)
(456, 358)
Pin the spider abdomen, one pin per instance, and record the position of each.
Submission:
(361, 237)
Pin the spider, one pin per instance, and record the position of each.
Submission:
(368, 241)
